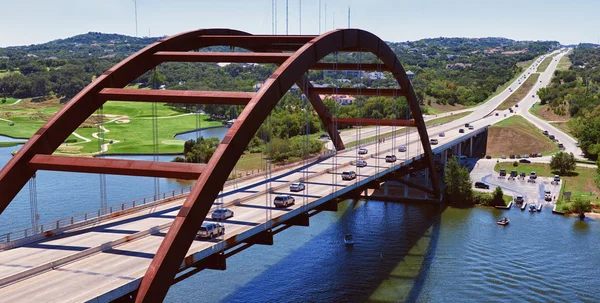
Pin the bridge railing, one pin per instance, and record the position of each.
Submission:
(92, 215)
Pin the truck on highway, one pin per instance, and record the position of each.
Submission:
(211, 230)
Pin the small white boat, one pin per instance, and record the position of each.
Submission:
(503, 221)
(349, 240)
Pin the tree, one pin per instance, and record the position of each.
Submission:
(198, 151)
(458, 183)
(563, 162)
(580, 207)
(498, 197)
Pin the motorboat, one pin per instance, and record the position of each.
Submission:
(348, 239)
(532, 208)
(503, 221)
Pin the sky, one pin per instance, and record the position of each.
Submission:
(26, 22)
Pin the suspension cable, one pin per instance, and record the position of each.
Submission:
(101, 147)
(155, 138)
(33, 206)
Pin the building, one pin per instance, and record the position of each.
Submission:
(375, 76)
(339, 99)
(410, 74)
(458, 65)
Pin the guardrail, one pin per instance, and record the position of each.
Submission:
(88, 216)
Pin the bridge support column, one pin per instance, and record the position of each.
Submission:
(459, 149)
(216, 261)
(262, 238)
(445, 159)
(385, 189)
(300, 220)
(471, 147)
(426, 181)
(406, 187)
(331, 205)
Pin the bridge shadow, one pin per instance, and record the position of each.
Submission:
(324, 269)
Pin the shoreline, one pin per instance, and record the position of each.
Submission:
(197, 130)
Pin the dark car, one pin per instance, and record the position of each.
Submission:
(324, 136)
(512, 156)
(461, 131)
(496, 114)
(481, 185)
(524, 161)
(518, 156)
(488, 157)
(516, 105)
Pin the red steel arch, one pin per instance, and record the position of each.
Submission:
(295, 56)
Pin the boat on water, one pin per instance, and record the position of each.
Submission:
(532, 208)
(503, 221)
(348, 239)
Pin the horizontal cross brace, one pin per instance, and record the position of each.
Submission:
(275, 58)
(350, 66)
(176, 96)
(250, 40)
(188, 171)
(388, 92)
(382, 122)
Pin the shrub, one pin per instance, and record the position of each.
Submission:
(498, 197)
(515, 164)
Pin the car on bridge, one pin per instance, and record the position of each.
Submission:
(524, 161)
(390, 158)
(348, 175)
(284, 201)
(361, 163)
(211, 230)
(296, 187)
(402, 148)
(482, 185)
(363, 151)
(466, 124)
(222, 214)
(471, 127)
(461, 131)
(442, 134)
(433, 141)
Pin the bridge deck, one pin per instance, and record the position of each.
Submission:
(97, 269)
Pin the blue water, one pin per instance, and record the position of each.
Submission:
(217, 132)
(539, 257)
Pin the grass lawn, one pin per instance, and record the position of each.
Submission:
(564, 63)
(563, 126)
(135, 135)
(544, 65)
(447, 118)
(506, 198)
(520, 93)
(580, 182)
(545, 112)
(9, 144)
(9, 101)
(517, 136)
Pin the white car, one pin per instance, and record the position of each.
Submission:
(363, 151)
(402, 148)
(297, 187)
(222, 214)
(390, 158)
(284, 201)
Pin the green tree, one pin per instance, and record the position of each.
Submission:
(198, 151)
(563, 162)
(580, 207)
(498, 197)
(458, 183)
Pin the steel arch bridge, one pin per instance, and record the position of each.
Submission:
(294, 55)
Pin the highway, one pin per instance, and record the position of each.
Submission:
(110, 258)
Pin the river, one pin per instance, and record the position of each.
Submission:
(412, 253)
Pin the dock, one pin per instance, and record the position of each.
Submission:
(524, 206)
(539, 208)
(505, 207)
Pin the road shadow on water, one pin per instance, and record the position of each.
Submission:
(388, 262)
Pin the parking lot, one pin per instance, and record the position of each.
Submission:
(532, 192)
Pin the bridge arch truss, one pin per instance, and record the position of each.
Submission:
(294, 55)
